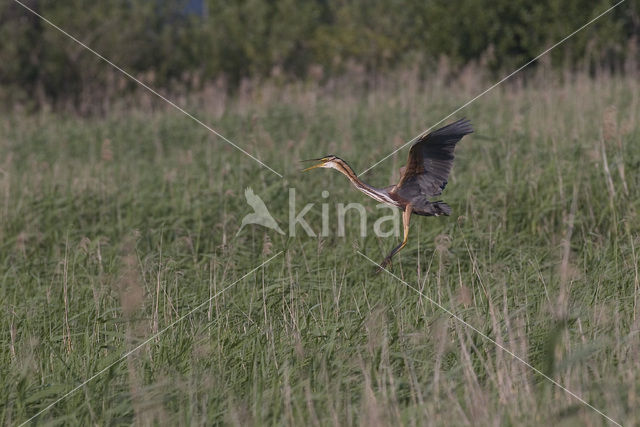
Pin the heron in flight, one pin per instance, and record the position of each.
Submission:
(424, 177)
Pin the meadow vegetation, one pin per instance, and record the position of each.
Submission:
(112, 228)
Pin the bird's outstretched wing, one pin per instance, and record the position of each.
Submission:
(430, 161)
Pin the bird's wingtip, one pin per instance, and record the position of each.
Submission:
(464, 124)
(459, 127)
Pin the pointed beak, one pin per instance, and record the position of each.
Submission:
(314, 166)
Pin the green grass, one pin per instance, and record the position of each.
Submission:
(111, 229)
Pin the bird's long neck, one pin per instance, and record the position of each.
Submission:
(346, 170)
(367, 189)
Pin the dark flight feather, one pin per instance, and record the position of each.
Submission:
(430, 161)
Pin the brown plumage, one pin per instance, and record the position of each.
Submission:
(424, 177)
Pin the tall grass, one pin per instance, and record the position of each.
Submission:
(112, 228)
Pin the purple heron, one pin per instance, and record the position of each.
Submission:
(424, 177)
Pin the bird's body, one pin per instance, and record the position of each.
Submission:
(424, 176)
(388, 196)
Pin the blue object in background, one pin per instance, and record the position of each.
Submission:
(194, 7)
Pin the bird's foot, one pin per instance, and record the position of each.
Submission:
(384, 265)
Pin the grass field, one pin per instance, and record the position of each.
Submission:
(113, 228)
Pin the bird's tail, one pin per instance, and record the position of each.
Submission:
(434, 209)
(441, 208)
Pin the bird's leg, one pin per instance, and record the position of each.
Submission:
(406, 217)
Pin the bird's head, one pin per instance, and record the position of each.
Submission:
(324, 162)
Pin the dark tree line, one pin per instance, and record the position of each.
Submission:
(186, 43)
